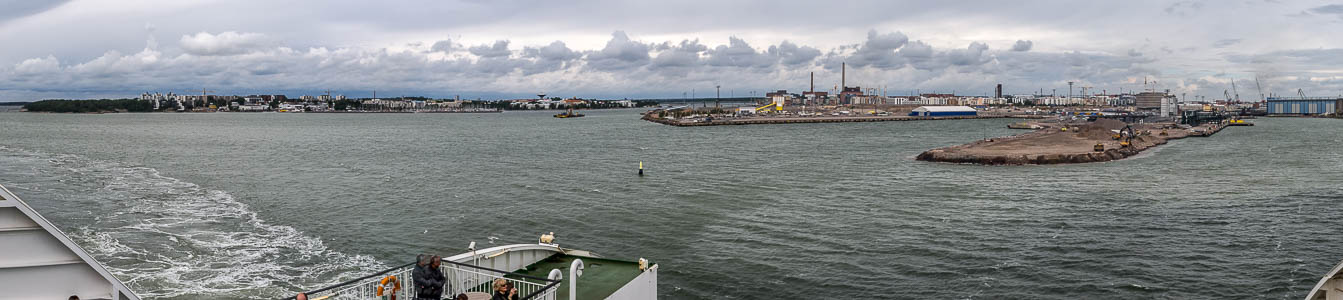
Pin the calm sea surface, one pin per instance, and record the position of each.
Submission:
(191, 206)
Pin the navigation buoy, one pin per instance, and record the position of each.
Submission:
(641, 168)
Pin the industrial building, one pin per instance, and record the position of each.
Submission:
(1150, 100)
(943, 111)
(1304, 105)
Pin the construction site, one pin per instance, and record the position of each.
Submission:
(1062, 142)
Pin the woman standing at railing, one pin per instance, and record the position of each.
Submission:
(504, 290)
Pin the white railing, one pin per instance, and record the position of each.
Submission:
(466, 278)
(459, 279)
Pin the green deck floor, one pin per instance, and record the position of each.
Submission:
(601, 277)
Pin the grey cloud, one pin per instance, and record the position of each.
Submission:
(792, 55)
(1134, 53)
(500, 48)
(620, 53)
(738, 54)
(1183, 8)
(1331, 9)
(687, 54)
(1225, 43)
(15, 9)
(972, 55)
(555, 51)
(879, 50)
(1022, 46)
(444, 46)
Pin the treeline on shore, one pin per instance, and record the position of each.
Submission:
(88, 106)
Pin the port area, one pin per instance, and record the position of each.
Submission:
(1063, 143)
(717, 117)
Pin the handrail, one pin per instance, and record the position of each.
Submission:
(538, 292)
(551, 283)
(348, 282)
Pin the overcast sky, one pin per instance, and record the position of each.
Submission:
(638, 49)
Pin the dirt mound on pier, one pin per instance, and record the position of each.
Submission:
(1100, 129)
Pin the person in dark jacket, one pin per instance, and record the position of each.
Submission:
(428, 278)
(504, 290)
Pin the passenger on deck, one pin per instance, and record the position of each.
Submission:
(301, 296)
(428, 278)
(504, 290)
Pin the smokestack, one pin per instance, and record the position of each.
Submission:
(813, 82)
(843, 72)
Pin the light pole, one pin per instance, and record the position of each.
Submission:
(1070, 91)
(718, 94)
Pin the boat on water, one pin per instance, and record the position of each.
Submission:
(41, 262)
(1330, 286)
(38, 261)
(568, 114)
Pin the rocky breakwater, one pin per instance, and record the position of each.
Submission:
(1058, 144)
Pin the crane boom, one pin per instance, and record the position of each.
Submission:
(1233, 89)
(1261, 89)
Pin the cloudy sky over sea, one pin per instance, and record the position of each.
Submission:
(642, 49)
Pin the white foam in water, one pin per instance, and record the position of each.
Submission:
(169, 238)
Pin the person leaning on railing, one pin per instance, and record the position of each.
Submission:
(428, 278)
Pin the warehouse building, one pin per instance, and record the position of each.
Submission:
(942, 111)
(1304, 105)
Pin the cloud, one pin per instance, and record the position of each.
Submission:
(1223, 43)
(879, 50)
(737, 53)
(1184, 8)
(19, 9)
(620, 53)
(555, 51)
(444, 46)
(971, 56)
(225, 43)
(684, 55)
(500, 48)
(39, 65)
(792, 55)
(1022, 46)
(1331, 9)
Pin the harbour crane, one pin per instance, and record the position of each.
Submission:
(1301, 93)
(1233, 89)
(1261, 89)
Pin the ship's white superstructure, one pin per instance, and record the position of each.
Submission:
(38, 261)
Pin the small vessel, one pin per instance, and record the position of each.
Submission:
(1238, 122)
(568, 114)
(41, 262)
(1330, 286)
